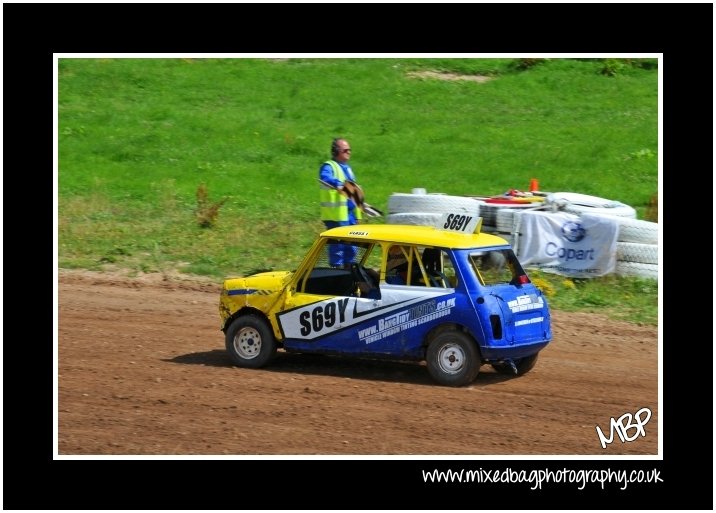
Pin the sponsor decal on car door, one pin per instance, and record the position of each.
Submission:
(524, 313)
(350, 323)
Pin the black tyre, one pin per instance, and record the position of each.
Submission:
(523, 365)
(250, 342)
(453, 359)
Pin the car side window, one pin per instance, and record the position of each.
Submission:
(419, 266)
(436, 263)
(442, 269)
(346, 279)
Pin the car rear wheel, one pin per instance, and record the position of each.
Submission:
(453, 359)
(250, 342)
(523, 365)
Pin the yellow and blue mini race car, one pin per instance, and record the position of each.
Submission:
(450, 296)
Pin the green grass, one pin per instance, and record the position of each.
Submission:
(625, 298)
(137, 137)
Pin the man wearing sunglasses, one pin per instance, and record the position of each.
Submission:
(337, 207)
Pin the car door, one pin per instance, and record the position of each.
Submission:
(394, 323)
(323, 309)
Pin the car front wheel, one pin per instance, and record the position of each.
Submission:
(250, 342)
(453, 359)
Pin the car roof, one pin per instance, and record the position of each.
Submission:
(409, 234)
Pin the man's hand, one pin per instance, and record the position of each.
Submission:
(354, 192)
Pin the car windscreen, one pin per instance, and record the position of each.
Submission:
(497, 266)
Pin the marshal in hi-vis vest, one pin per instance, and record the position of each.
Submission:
(334, 205)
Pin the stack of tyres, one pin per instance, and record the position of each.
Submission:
(638, 248)
(427, 209)
(637, 241)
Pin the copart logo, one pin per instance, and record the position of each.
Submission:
(573, 232)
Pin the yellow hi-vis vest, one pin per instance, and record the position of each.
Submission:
(334, 205)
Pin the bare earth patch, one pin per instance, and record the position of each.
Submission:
(143, 371)
(448, 76)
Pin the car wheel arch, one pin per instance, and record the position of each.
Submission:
(448, 326)
(247, 310)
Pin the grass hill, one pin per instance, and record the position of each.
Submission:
(209, 166)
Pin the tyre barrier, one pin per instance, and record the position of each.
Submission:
(638, 253)
(637, 249)
(507, 220)
(399, 203)
(431, 219)
(636, 230)
(640, 270)
(489, 212)
(504, 220)
(511, 200)
(576, 203)
(414, 218)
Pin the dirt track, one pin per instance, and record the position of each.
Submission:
(143, 371)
